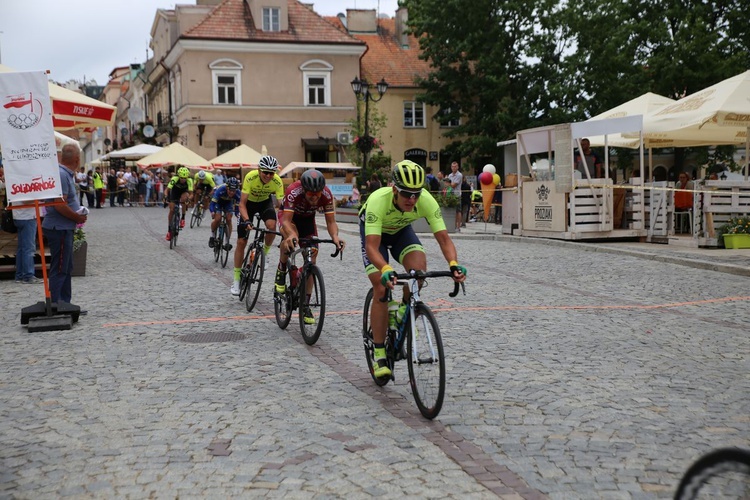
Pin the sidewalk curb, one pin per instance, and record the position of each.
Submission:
(588, 247)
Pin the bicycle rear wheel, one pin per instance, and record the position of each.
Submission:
(219, 243)
(312, 313)
(255, 278)
(245, 273)
(283, 304)
(722, 473)
(424, 352)
(201, 213)
(369, 344)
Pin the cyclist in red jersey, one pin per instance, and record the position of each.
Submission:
(302, 199)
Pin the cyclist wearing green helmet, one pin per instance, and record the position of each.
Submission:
(178, 190)
(385, 223)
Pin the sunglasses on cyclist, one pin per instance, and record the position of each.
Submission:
(409, 195)
(266, 172)
(313, 194)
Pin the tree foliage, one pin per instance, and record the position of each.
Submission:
(507, 65)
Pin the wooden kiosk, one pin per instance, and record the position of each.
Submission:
(554, 203)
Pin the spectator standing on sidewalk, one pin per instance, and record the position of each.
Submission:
(454, 181)
(25, 221)
(58, 227)
(112, 187)
(98, 187)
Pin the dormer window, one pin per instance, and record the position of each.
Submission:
(271, 19)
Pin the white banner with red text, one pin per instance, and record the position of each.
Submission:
(27, 137)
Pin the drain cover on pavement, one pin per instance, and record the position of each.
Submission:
(208, 337)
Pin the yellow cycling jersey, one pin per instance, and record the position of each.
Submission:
(383, 216)
(208, 181)
(174, 183)
(256, 191)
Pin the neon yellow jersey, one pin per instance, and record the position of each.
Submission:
(208, 181)
(383, 216)
(174, 182)
(255, 190)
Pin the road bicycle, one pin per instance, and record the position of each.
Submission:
(253, 266)
(221, 249)
(196, 216)
(722, 473)
(174, 225)
(415, 338)
(305, 291)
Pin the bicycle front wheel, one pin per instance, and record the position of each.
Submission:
(224, 255)
(194, 216)
(255, 278)
(722, 473)
(424, 351)
(369, 344)
(200, 215)
(219, 243)
(283, 304)
(312, 313)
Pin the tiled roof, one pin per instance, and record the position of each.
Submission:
(231, 20)
(385, 58)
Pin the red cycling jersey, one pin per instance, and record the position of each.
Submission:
(295, 201)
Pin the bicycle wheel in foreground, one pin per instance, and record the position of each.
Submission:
(254, 278)
(312, 315)
(424, 352)
(722, 473)
(369, 344)
(283, 305)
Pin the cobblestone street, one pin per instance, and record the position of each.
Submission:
(572, 373)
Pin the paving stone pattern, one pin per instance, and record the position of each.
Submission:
(572, 373)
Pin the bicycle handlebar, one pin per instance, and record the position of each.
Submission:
(423, 275)
(313, 239)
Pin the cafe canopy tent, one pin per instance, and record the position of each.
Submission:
(241, 156)
(719, 114)
(74, 110)
(134, 152)
(319, 166)
(175, 154)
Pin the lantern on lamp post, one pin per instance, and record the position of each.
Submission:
(362, 91)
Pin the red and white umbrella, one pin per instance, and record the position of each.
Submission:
(74, 110)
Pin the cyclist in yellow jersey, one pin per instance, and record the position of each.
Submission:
(203, 181)
(179, 190)
(385, 222)
(257, 188)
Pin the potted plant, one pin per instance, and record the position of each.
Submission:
(736, 232)
(80, 249)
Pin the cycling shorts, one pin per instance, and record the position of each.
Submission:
(400, 243)
(176, 193)
(221, 205)
(264, 208)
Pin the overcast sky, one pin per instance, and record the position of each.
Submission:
(74, 39)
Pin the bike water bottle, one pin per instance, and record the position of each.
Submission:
(400, 313)
(293, 275)
(392, 310)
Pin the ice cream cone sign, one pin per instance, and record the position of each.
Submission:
(488, 179)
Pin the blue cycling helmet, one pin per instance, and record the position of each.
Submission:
(233, 183)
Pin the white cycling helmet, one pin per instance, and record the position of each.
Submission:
(201, 175)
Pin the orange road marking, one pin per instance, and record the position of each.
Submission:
(453, 308)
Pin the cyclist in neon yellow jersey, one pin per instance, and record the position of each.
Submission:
(203, 181)
(178, 190)
(257, 188)
(385, 222)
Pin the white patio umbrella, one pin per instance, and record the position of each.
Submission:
(241, 156)
(175, 154)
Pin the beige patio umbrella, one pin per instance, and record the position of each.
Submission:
(241, 156)
(719, 114)
(641, 105)
(175, 154)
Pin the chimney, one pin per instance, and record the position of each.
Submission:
(361, 21)
(402, 17)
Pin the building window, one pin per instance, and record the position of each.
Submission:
(227, 82)
(413, 114)
(271, 18)
(222, 146)
(445, 121)
(316, 79)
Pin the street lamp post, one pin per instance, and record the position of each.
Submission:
(362, 92)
